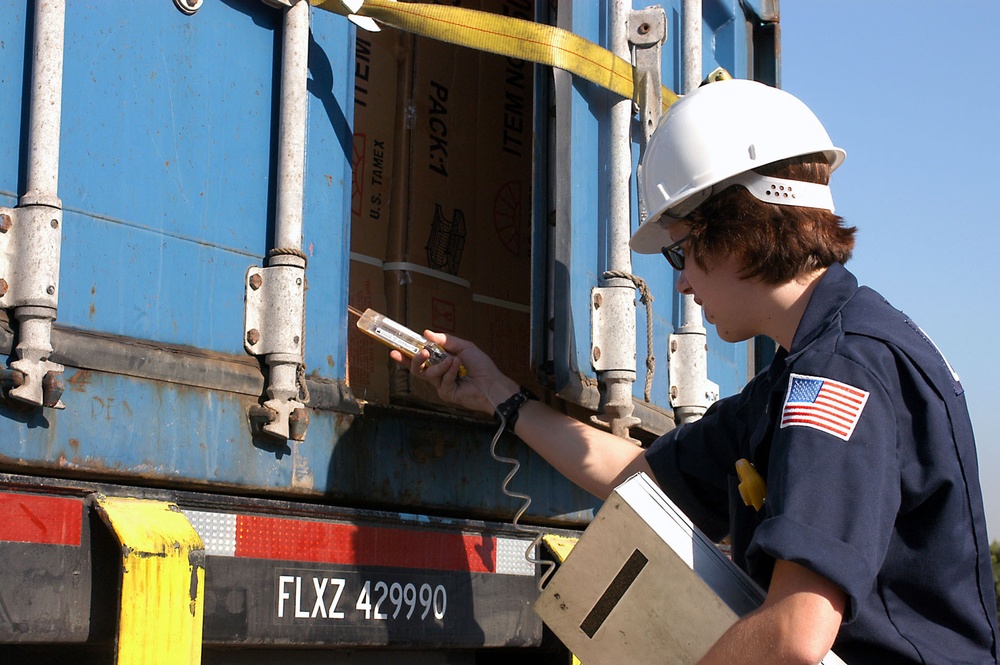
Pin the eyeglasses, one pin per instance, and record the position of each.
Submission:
(674, 254)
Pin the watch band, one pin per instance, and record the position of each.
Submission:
(509, 410)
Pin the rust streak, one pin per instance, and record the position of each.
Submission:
(79, 381)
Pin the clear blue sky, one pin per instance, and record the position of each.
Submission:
(910, 90)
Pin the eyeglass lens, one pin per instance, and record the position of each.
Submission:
(674, 254)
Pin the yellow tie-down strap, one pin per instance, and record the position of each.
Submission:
(162, 582)
(504, 35)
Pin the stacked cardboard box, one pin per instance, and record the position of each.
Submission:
(502, 279)
(377, 63)
(429, 262)
(457, 245)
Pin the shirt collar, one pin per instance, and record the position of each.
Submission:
(836, 286)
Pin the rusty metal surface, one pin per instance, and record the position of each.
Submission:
(146, 432)
(156, 414)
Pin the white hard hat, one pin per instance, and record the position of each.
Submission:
(712, 138)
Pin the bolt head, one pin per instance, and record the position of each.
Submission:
(255, 281)
(253, 336)
(597, 353)
(6, 221)
(3, 287)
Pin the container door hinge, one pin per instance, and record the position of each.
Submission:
(690, 389)
(30, 242)
(612, 319)
(273, 328)
(647, 30)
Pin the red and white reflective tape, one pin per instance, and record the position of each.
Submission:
(288, 539)
(36, 518)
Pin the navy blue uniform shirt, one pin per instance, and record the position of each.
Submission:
(862, 434)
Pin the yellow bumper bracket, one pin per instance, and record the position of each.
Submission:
(162, 583)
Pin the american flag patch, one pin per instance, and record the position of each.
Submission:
(823, 404)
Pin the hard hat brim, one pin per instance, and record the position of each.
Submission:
(652, 235)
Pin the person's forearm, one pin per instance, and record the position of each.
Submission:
(797, 623)
(753, 639)
(593, 459)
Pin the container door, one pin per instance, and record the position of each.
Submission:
(572, 250)
(167, 171)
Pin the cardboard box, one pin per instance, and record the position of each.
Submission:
(432, 301)
(505, 151)
(465, 225)
(379, 64)
(442, 126)
(501, 279)
(376, 109)
(429, 255)
(368, 363)
(503, 331)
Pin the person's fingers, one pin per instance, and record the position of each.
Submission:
(437, 370)
(418, 362)
(449, 343)
(449, 378)
(412, 363)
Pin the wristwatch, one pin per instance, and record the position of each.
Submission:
(507, 412)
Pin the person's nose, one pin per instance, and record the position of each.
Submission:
(682, 284)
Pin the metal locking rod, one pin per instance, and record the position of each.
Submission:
(275, 295)
(31, 233)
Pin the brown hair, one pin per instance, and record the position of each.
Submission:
(775, 243)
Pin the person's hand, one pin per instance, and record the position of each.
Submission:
(480, 389)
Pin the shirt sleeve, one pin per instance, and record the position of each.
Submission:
(833, 479)
(692, 463)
